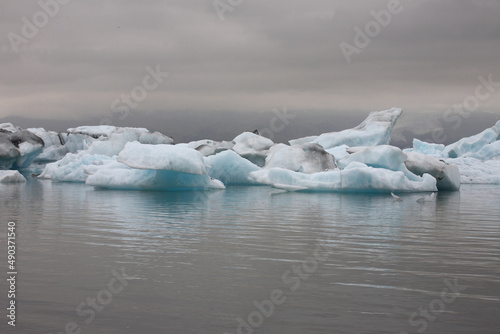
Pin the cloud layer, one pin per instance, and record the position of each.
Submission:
(263, 54)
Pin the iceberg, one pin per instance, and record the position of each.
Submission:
(230, 168)
(57, 145)
(11, 176)
(209, 147)
(110, 142)
(154, 167)
(71, 168)
(306, 158)
(253, 147)
(447, 176)
(162, 157)
(474, 143)
(357, 177)
(477, 157)
(374, 130)
(18, 148)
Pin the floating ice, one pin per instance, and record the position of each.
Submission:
(11, 176)
(71, 168)
(477, 157)
(374, 130)
(154, 167)
(209, 147)
(447, 176)
(357, 177)
(166, 157)
(18, 148)
(307, 158)
(230, 168)
(252, 147)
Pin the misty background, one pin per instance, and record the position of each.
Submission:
(229, 68)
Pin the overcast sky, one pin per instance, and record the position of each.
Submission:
(250, 56)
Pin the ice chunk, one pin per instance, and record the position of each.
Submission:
(476, 171)
(93, 131)
(115, 175)
(384, 156)
(435, 150)
(447, 176)
(71, 168)
(166, 157)
(374, 130)
(116, 141)
(18, 148)
(230, 168)
(488, 152)
(306, 158)
(11, 176)
(252, 147)
(474, 143)
(57, 145)
(357, 177)
(209, 147)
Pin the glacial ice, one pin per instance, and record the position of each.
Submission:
(355, 178)
(307, 158)
(447, 175)
(357, 160)
(11, 176)
(18, 148)
(162, 157)
(230, 168)
(253, 147)
(109, 143)
(477, 157)
(154, 167)
(374, 130)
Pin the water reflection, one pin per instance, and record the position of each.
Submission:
(197, 261)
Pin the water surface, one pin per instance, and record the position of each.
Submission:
(202, 262)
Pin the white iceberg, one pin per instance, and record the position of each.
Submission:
(230, 168)
(374, 130)
(477, 157)
(253, 147)
(71, 168)
(109, 143)
(357, 177)
(154, 167)
(162, 157)
(11, 176)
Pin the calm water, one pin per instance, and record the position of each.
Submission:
(207, 262)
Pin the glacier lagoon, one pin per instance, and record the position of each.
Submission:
(200, 262)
